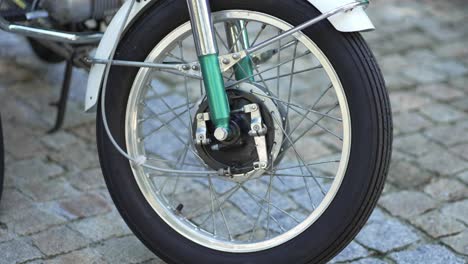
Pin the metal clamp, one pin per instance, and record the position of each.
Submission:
(201, 132)
(228, 61)
(258, 131)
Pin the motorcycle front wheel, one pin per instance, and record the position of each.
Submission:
(328, 118)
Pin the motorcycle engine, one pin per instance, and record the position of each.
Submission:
(76, 11)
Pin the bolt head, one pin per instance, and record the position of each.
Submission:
(221, 133)
(185, 67)
(254, 107)
(236, 56)
(256, 127)
(226, 61)
(195, 67)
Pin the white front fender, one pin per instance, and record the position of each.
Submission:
(353, 21)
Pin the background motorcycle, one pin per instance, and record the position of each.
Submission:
(217, 115)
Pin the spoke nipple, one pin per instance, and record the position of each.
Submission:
(226, 61)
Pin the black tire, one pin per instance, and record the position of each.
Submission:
(44, 53)
(370, 145)
(2, 159)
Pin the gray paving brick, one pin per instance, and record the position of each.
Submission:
(424, 74)
(441, 161)
(31, 220)
(442, 113)
(451, 68)
(416, 144)
(101, 227)
(448, 135)
(458, 242)
(397, 82)
(58, 240)
(59, 140)
(441, 91)
(405, 101)
(18, 251)
(5, 235)
(87, 180)
(461, 104)
(15, 135)
(124, 250)
(426, 254)
(395, 233)
(48, 190)
(461, 150)
(405, 174)
(81, 206)
(407, 203)
(438, 225)
(369, 261)
(32, 170)
(351, 252)
(458, 210)
(452, 49)
(77, 156)
(86, 255)
(446, 190)
(464, 177)
(410, 122)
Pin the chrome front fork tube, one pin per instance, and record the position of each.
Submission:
(207, 50)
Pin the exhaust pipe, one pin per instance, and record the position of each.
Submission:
(51, 35)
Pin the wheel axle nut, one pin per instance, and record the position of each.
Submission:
(221, 133)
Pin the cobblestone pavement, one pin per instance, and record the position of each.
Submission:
(56, 209)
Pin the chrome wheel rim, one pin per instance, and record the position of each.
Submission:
(146, 105)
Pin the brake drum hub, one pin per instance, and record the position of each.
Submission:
(238, 157)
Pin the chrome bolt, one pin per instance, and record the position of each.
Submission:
(256, 127)
(221, 133)
(195, 68)
(236, 56)
(226, 61)
(185, 67)
(253, 107)
(200, 116)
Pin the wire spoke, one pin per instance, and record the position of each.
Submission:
(279, 76)
(270, 68)
(260, 210)
(312, 107)
(299, 156)
(308, 165)
(322, 127)
(293, 105)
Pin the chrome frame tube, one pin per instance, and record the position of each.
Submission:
(235, 39)
(202, 27)
(52, 35)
